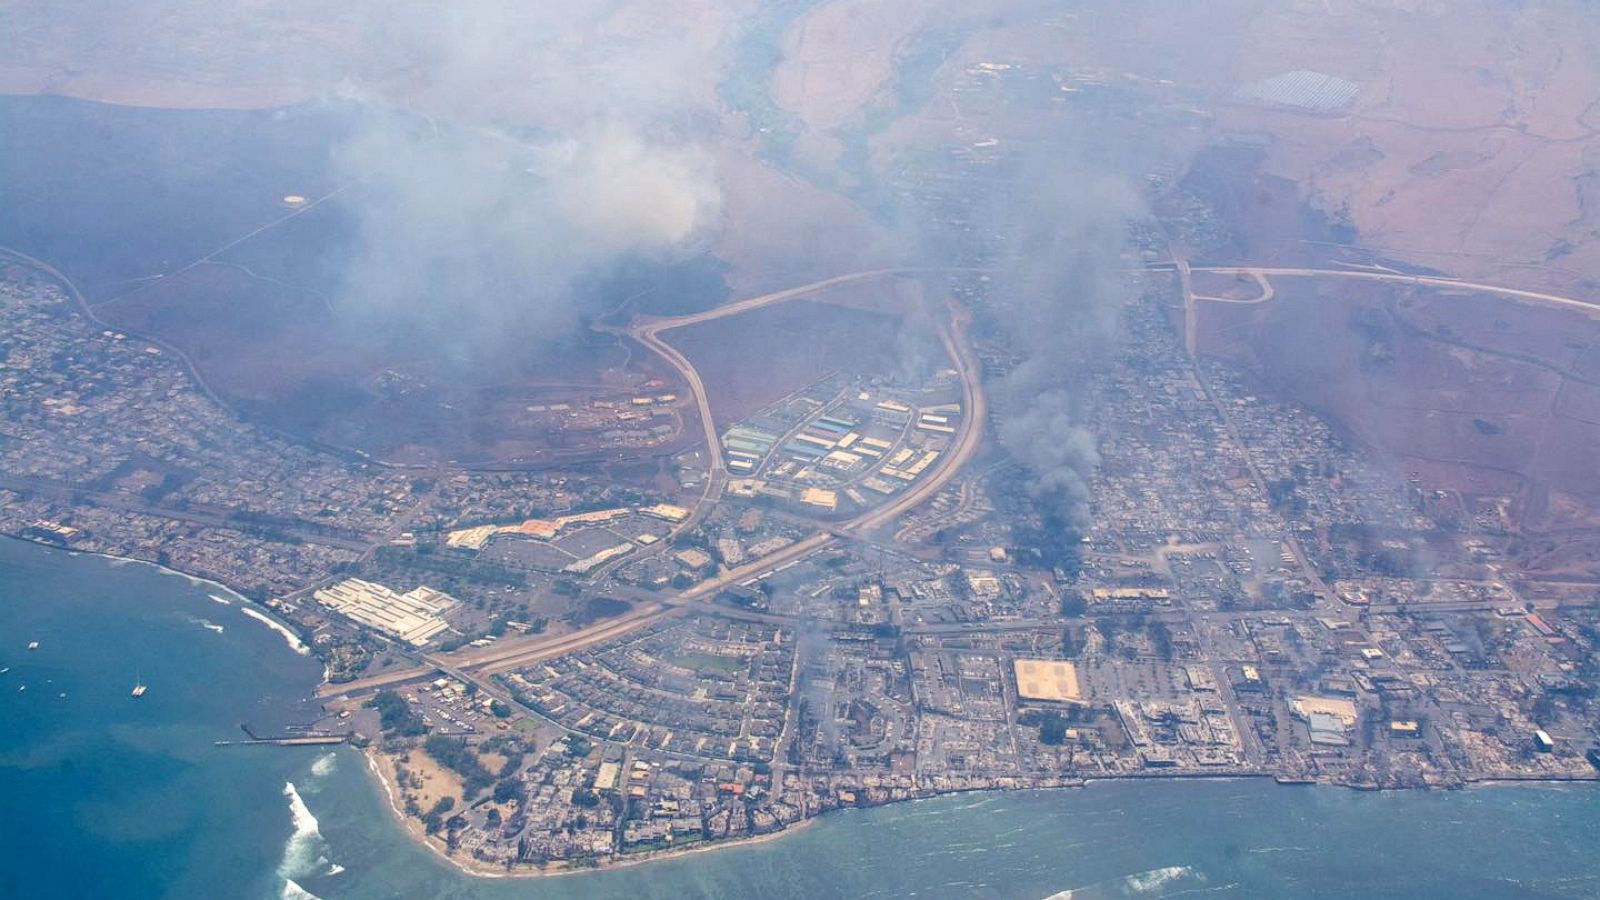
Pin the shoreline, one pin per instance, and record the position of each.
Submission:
(258, 611)
(379, 764)
(249, 608)
(380, 767)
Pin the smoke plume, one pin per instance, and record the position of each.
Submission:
(1060, 283)
(491, 220)
(816, 682)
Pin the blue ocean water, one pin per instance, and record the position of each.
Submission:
(105, 796)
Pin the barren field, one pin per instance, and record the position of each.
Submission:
(280, 356)
(1462, 391)
(428, 780)
(1473, 160)
(1469, 148)
(751, 360)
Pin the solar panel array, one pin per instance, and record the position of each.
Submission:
(1302, 89)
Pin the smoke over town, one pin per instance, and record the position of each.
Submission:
(477, 233)
(477, 238)
(1061, 288)
(815, 681)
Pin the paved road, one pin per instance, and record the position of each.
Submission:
(968, 437)
(974, 413)
(751, 303)
(511, 653)
(88, 311)
(344, 453)
(691, 377)
(648, 331)
(1260, 273)
(507, 653)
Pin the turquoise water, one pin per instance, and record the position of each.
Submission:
(105, 796)
(102, 795)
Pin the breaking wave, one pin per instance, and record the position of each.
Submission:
(207, 624)
(223, 600)
(302, 853)
(1139, 883)
(295, 643)
(292, 891)
(325, 765)
(305, 853)
(1155, 879)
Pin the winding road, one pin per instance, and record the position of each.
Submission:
(513, 653)
(1262, 273)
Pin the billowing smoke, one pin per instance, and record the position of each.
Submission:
(916, 355)
(1059, 454)
(1061, 282)
(527, 165)
(473, 238)
(816, 683)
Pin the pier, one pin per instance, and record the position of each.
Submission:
(309, 739)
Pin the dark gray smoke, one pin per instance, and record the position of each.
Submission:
(816, 681)
(1060, 282)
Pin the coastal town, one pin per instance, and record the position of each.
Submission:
(847, 599)
(799, 450)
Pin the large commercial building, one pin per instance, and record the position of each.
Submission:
(414, 617)
(1049, 680)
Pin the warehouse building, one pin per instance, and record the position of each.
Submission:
(415, 617)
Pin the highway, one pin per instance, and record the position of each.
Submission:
(974, 406)
(344, 453)
(83, 305)
(1261, 273)
(968, 438)
(512, 653)
(974, 413)
(648, 331)
(578, 640)
(506, 653)
(751, 303)
(691, 377)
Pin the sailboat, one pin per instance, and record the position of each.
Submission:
(139, 687)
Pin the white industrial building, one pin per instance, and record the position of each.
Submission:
(414, 617)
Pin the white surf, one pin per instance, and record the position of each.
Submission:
(293, 639)
(302, 852)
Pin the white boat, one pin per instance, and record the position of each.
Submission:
(33, 645)
(139, 687)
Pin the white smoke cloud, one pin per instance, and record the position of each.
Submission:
(468, 237)
(526, 151)
(623, 195)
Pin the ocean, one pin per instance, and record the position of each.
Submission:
(106, 796)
